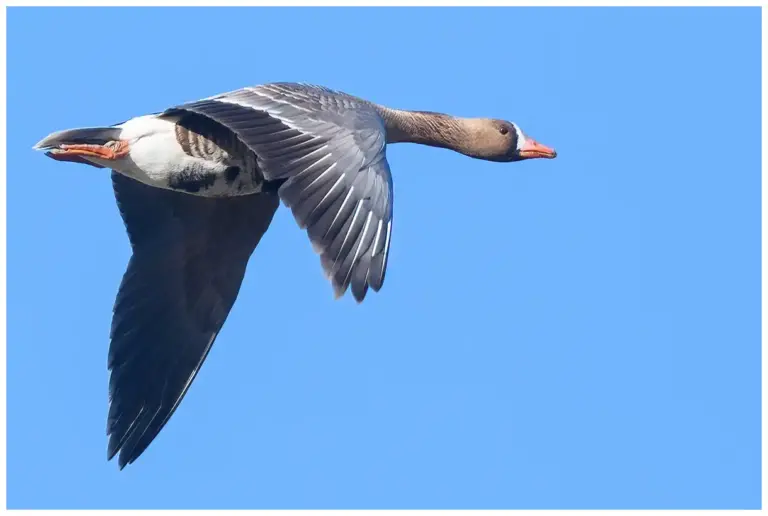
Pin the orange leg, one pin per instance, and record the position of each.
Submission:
(80, 152)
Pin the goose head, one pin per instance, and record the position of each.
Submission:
(502, 141)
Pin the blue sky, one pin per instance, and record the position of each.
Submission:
(576, 333)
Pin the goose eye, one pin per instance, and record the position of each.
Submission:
(504, 130)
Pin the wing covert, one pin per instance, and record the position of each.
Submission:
(328, 150)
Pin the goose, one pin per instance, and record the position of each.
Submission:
(197, 186)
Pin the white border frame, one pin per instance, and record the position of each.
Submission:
(436, 3)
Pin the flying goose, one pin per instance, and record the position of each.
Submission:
(197, 186)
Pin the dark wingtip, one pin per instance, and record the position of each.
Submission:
(359, 291)
(111, 451)
(122, 460)
(339, 290)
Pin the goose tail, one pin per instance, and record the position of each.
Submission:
(78, 145)
(80, 136)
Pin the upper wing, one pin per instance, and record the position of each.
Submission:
(330, 150)
(189, 257)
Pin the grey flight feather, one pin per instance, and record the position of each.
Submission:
(329, 149)
(189, 258)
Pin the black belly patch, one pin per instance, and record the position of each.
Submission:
(192, 182)
(231, 174)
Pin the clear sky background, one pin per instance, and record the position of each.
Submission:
(576, 333)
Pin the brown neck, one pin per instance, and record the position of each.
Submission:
(434, 129)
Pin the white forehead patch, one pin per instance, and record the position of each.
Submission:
(520, 136)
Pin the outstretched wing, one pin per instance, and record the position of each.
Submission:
(189, 258)
(329, 148)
